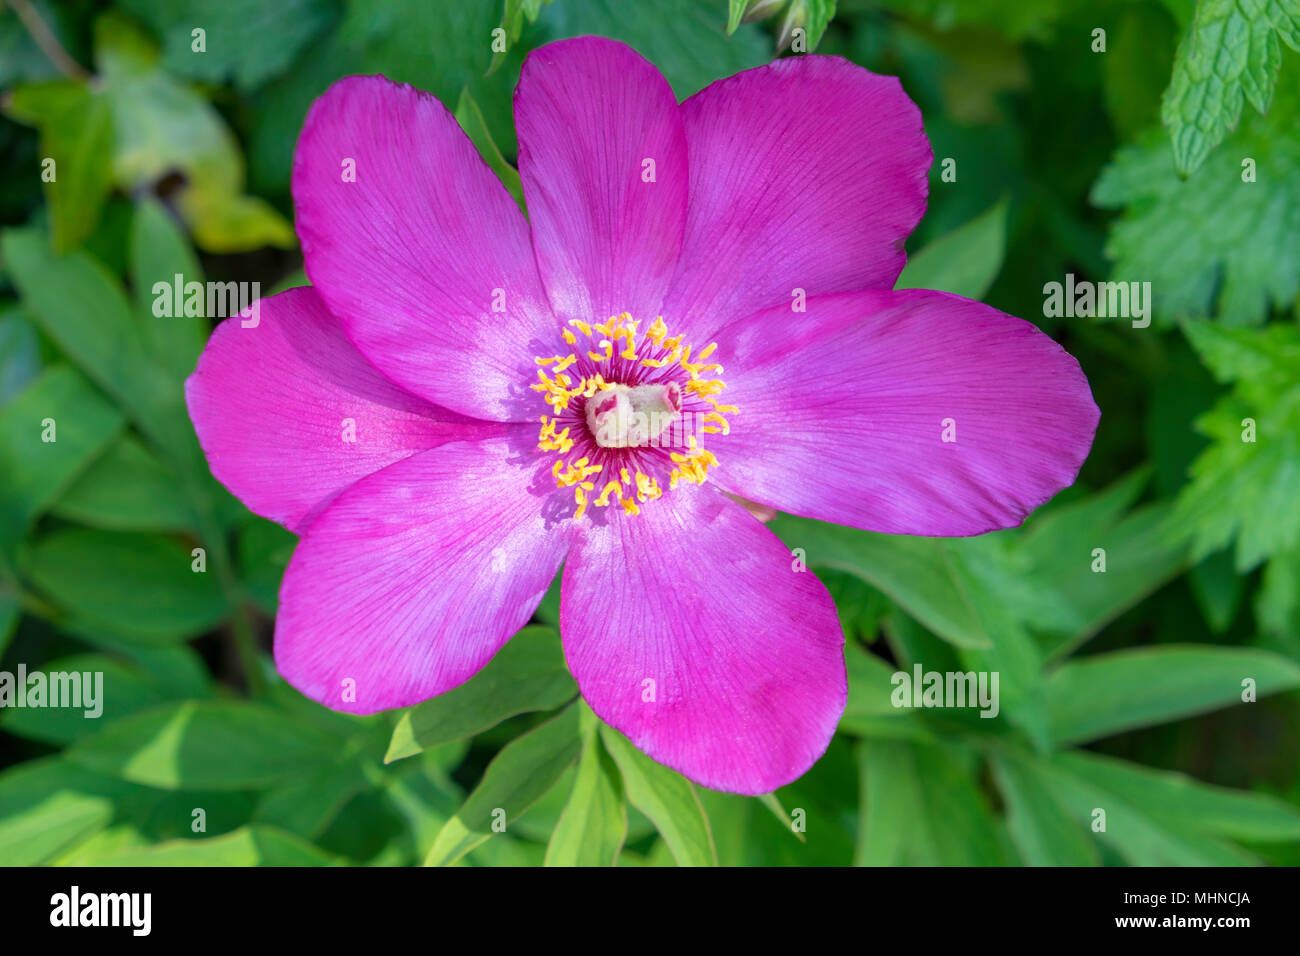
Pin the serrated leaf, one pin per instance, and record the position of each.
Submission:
(1222, 242)
(1245, 484)
(1230, 51)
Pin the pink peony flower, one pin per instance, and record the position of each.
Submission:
(590, 387)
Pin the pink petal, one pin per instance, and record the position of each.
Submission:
(589, 113)
(425, 257)
(843, 412)
(270, 404)
(414, 577)
(745, 654)
(806, 174)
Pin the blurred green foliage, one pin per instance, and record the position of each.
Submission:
(1120, 690)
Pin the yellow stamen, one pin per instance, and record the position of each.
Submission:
(655, 349)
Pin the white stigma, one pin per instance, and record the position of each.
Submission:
(632, 417)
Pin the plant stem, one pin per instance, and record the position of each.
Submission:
(47, 41)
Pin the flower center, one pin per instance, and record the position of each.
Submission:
(629, 413)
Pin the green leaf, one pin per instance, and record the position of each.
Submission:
(667, 798)
(391, 37)
(161, 127)
(21, 57)
(860, 606)
(685, 40)
(20, 356)
(470, 118)
(247, 40)
(217, 745)
(527, 674)
(913, 572)
(95, 576)
(1230, 51)
(1277, 604)
(967, 591)
(735, 10)
(512, 22)
(593, 826)
(127, 489)
(1016, 20)
(247, 846)
(1245, 484)
(921, 806)
(772, 803)
(1110, 693)
(77, 134)
(36, 472)
(964, 262)
(159, 253)
(263, 549)
(519, 774)
(811, 16)
(1139, 832)
(1059, 545)
(1042, 831)
(49, 803)
(1218, 589)
(82, 307)
(9, 613)
(1185, 802)
(1219, 243)
(1135, 68)
(306, 807)
(870, 688)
